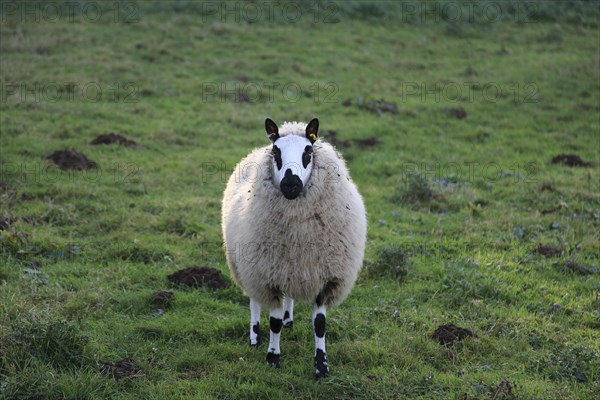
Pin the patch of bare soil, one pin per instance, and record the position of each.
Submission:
(503, 390)
(124, 369)
(162, 298)
(243, 98)
(547, 187)
(570, 160)
(332, 137)
(6, 222)
(378, 106)
(198, 277)
(458, 113)
(450, 333)
(70, 159)
(110, 138)
(549, 251)
(368, 142)
(576, 267)
(7, 191)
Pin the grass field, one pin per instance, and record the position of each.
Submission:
(448, 124)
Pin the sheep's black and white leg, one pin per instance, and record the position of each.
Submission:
(288, 314)
(318, 318)
(255, 334)
(275, 324)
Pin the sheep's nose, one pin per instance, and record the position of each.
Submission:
(290, 185)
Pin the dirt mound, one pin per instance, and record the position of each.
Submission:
(112, 137)
(576, 267)
(35, 265)
(242, 98)
(6, 223)
(332, 137)
(70, 159)
(199, 276)
(549, 251)
(7, 190)
(162, 298)
(503, 390)
(547, 187)
(570, 160)
(378, 106)
(368, 142)
(124, 369)
(450, 333)
(458, 113)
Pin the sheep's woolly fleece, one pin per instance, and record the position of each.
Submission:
(275, 246)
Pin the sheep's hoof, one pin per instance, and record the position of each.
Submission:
(256, 330)
(273, 360)
(321, 365)
(289, 324)
(322, 373)
(258, 342)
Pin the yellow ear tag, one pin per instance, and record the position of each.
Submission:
(313, 137)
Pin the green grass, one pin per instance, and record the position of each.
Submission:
(456, 207)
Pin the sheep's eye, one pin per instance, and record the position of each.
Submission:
(306, 156)
(277, 156)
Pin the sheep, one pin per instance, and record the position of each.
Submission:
(294, 228)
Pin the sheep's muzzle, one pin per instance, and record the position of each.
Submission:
(291, 185)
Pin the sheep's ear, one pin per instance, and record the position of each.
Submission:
(312, 130)
(272, 129)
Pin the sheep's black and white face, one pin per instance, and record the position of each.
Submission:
(292, 158)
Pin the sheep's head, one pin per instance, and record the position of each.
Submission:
(292, 157)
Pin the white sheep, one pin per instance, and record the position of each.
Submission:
(294, 228)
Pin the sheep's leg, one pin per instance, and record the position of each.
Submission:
(318, 318)
(288, 315)
(275, 323)
(255, 335)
